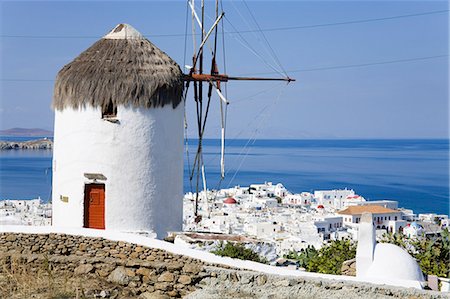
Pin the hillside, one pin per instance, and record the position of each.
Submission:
(22, 132)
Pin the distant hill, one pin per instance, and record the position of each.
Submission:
(21, 132)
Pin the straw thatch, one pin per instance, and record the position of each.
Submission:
(122, 71)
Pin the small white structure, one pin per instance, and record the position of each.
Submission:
(337, 199)
(118, 148)
(384, 263)
(302, 199)
(262, 230)
(413, 230)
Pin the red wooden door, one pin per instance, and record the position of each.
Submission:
(94, 206)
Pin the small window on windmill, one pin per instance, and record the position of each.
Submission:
(109, 111)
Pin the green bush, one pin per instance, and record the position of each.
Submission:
(328, 259)
(304, 256)
(238, 251)
(432, 253)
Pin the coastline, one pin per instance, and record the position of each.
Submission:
(40, 144)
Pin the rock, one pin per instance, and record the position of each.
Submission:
(349, 268)
(174, 266)
(133, 284)
(122, 256)
(104, 294)
(144, 272)
(148, 295)
(83, 269)
(134, 255)
(160, 266)
(119, 276)
(11, 238)
(233, 277)
(172, 293)
(246, 279)
(163, 286)
(166, 277)
(130, 272)
(185, 279)
(283, 283)
(261, 280)
(102, 272)
(191, 268)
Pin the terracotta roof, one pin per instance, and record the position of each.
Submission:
(320, 207)
(357, 210)
(230, 200)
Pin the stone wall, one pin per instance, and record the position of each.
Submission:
(70, 266)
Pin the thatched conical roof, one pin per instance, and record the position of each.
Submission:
(124, 68)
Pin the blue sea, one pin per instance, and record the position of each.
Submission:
(413, 172)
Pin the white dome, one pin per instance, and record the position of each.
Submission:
(392, 262)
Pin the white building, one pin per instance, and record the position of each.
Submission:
(413, 230)
(25, 212)
(432, 217)
(327, 225)
(118, 148)
(268, 189)
(337, 199)
(383, 218)
(263, 230)
(266, 202)
(302, 199)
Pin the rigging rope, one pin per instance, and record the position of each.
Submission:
(255, 133)
(265, 45)
(245, 43)
(274, 55)
(186, 138)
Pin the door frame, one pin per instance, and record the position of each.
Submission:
(87, 187)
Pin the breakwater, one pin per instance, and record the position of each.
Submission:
(40, 144)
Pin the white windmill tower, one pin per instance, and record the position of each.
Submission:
(118, 151)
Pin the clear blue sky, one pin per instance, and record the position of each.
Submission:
(394, 100)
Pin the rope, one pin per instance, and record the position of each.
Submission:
(249, 47)
(185, 34)
(232, 140)
(186, 144)
(275, 57)
(254, 33)
(255, 133)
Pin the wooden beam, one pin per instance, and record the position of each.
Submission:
(226, 78)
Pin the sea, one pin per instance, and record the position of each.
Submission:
(413, 172)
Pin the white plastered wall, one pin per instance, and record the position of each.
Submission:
(141, 157)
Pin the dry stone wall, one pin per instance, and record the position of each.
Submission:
(100, 268)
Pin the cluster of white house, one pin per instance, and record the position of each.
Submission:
(271, 213)
(25, 212)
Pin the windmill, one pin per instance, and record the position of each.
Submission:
(199, 76)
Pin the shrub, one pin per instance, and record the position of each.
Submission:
(328, 259)
(238, 251)
(304, 256)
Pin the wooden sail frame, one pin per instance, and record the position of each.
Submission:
(214, 79)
